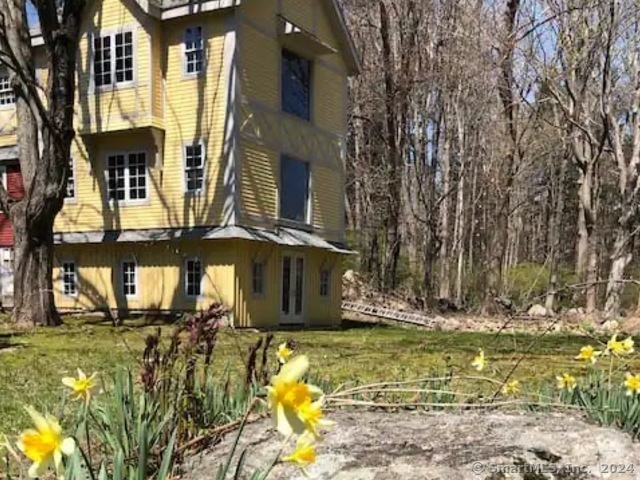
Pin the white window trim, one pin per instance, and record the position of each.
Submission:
(185, 73)
(93, 88)
(308, 222)
(73, 199)
(127, 185)
(264, 279)
(202, 144)
(186, 277)
(75, 278)
(136, 275)
(3, 176)
(8, 106)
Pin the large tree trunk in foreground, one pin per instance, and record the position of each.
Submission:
(44, 136)
(34, 303)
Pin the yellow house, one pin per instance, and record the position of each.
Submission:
(209, 160)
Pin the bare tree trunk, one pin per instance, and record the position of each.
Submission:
(443, 256)
(33, 260)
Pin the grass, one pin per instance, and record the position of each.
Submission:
(32, 363)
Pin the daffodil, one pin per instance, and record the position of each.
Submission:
(566, 382)
(632, 384)
(479, 362)
(304, 454)
(287, 394)
(589, 354)
(312, 416)
(511, 388)
(45, 445)
(620, 347)
(82, 387)
(283, 353)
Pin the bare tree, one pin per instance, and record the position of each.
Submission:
(45, 133)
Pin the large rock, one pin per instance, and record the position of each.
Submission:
(632, 325)
(539, 311)
(446, 446)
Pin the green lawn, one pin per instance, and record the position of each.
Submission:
(32, 363)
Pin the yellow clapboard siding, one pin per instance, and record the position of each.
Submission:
(260, 67)
(8, 125)
(157, 75)
(260, 12)
(257, 311)
(112, 109)
(327, 199)
(300, 12)
(195, 109)
(160, 269)
(259, 181)
(329, 113)
(323, 310)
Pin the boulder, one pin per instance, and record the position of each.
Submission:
(539, 311)
(444, 446)
(632, 325)
(610, 326)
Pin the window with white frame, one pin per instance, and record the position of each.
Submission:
(113, 58)
(69, 279)
(71, 181)
(294, 189)
(127, 176)
(194, 167)
(193, 277)
(193, 50)
(129, 278)
(296, 85)
(7, 97)
(325, 282)
(257, 277)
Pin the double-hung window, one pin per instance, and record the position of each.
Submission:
(194, 157)
(193, 50)
(325, 282)
(7, 97)
(296, 85)
(257, 278)
(113, 59)
(193, 277)
(69, 279)
(294, 190)
(127, 176)
(129, 278)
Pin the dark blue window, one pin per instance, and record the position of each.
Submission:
(296, 85)
(294, 189)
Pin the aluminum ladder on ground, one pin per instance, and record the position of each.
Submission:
(387, 313)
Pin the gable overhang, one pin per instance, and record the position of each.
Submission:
(348, 46)
(169, 9)
(297, 39)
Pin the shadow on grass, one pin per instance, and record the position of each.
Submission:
(7, 341)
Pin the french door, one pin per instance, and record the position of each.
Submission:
(292, 290)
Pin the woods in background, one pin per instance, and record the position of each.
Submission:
(494, 151)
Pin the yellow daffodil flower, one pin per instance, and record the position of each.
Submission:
(283, 353)
(632, 384)
(566, 382)
(45, 445)
(287, 394)
(82, 387)
(620, 347)
(304, 454)
(589, 354)
(311, 414)
(511, 388)
(479, 362)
